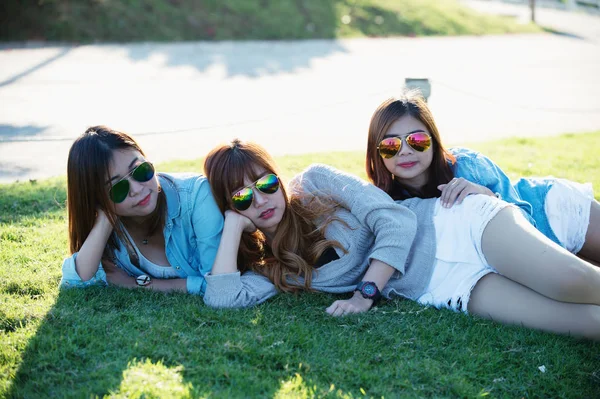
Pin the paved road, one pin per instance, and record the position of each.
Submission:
(181, 99)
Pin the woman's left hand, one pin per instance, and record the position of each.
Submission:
(457, 190)
(356, 304)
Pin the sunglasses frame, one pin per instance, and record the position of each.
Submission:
(404, 139)
(233, 203)
(126, 179)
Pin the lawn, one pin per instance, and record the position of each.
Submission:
(109, 342)
(174, 20)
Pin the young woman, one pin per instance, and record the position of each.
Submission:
(336, 233)
(406, 158)
(129, 226)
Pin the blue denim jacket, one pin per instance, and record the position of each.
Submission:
(529, 194)
(192, 233)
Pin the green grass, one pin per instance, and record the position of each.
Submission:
(169, 20)
(118, 343)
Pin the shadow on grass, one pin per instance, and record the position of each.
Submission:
(97, 342)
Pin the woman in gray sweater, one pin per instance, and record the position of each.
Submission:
(336, 233)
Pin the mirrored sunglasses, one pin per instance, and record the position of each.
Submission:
(141, 173)
(242, 199)
(390, 146)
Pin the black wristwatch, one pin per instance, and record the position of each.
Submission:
(369, 290)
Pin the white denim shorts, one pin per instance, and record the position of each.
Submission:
(567, 207)
(459, 260)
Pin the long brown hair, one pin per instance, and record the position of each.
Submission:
(410, 103)
(297, 243)
(87, 191)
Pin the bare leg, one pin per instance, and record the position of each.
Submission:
(591, 247)
(521, 253)
(498, 298)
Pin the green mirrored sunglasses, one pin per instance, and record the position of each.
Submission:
(141, 173)
(242, 199)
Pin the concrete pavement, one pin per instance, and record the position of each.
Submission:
(181, 99)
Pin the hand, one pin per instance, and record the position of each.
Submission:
(356, 304)
(457, 190)
(102, 220)
(240, 220)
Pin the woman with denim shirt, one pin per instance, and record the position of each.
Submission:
(406, 158)
(130, 227)
(335, 233)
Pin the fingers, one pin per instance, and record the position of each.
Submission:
(452, 190)
(457, 190)
(244, 222)
(470, 188)
(340, 308)
(250, 227)
(346, 307)
(335, 309)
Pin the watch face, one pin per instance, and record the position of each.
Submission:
(142, 280)
(369, 289)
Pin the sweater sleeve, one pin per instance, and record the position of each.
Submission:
(235, 290)
(393, 225)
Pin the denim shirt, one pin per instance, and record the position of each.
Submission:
(529, 194)
(192, 233)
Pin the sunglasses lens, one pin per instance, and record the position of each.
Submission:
(119, 191)
(242, 199)
(389, 147)
(419, 141)
(143, 172)
(268, 184)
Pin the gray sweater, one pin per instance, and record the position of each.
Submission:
(400, 234)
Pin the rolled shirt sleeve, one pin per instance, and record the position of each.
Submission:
(70, 278)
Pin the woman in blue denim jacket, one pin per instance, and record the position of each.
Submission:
(406, 158)
(130, 227)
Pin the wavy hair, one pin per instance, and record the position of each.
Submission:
(410, 103)
(297, 243)
(87, 191)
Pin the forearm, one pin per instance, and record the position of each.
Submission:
(119, 278)
(226, 259)
(379, 272)
(89, 256)
(168, 285)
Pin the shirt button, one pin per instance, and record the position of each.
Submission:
(177, 267)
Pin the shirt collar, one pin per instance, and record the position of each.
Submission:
(170, 189)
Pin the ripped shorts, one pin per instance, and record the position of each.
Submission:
(459, 260)
(567, 207)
